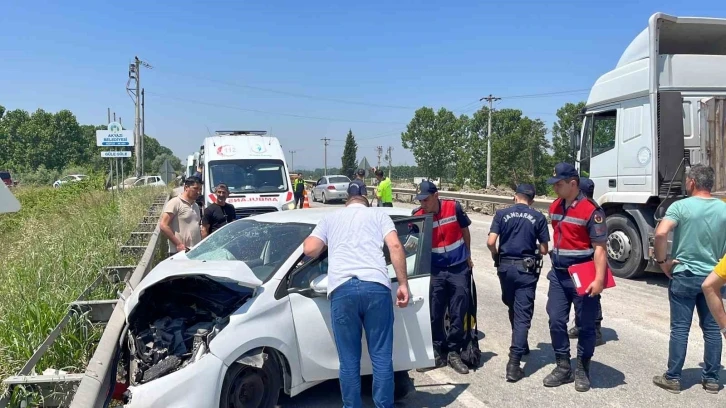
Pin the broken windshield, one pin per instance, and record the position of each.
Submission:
(249, 176)
(263, 246)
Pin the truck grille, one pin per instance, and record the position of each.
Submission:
(248, 212)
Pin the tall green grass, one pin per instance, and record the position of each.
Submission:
(51, 251)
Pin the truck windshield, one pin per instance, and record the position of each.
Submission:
(249, 176)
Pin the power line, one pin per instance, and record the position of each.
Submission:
(294, 94)
(217, 105)
(546, 94)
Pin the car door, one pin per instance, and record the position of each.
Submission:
(412, 341)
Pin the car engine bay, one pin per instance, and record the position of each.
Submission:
(175, 320)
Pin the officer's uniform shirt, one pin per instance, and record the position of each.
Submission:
(597, 231)
(519, 228)
(357, 187)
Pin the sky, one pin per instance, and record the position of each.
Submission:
(309, 70)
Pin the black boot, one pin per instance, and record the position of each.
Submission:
(562, 374)
(574, 332)
(582, 375)
(514, 371)
(438, 363)
(456, 363)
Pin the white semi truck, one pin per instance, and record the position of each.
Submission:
(646, 122)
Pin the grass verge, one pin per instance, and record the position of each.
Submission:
(52, 250)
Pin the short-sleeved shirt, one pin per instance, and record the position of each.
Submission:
(385, 194)
(720, 268)
(217, 216)
(355, 238)
(357, 186)
(699, 239)
(184, 223)
(519, 227)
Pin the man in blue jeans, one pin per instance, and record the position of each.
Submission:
(699, 241)
(359, 289)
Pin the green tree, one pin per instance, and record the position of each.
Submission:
(350, 151)
(431, 137)
(159, 161)
(567, 122)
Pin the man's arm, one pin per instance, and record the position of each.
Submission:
(665, 226)
(315, 244)
(543, 236)
(712, 292)
(598, 232)
(165, 227)
(398, 256)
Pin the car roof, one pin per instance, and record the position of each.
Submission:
(314, 215)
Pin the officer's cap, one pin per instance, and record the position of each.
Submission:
(426, 188)
(587, 186)
(563, 171)
(526, 189)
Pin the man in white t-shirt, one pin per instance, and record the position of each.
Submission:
(359, 289)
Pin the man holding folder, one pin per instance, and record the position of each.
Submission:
(580, 236)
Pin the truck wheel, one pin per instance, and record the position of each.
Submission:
(251, 387)
(624, 247)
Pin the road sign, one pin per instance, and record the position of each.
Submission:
(8, 202)
(114, 136)
(120, 153)
(166, 172)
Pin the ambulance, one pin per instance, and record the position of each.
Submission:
(252, 164)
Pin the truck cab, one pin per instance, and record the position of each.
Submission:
(659, 111)
(252, 165)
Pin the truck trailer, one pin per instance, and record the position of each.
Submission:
(658, 112)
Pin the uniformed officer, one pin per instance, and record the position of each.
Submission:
(451, 268)
(580, 235)
(518, 262)
(587, 187)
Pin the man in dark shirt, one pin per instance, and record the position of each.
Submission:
(358, 186)
(218, 214)
(520, 228)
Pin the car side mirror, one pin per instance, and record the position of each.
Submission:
(319, 285)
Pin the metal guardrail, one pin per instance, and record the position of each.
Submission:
(94, 387)
(539, 203)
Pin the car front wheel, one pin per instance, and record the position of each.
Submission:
(251, 387)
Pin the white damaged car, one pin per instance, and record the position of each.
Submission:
(244, 316)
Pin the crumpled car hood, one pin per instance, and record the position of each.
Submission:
(231, 271)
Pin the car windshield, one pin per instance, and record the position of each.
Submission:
(249, 176)
(263, 246)
(339, 179)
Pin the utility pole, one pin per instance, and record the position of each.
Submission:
(489, 99)
(114, 117)
(109, 115)
(379, 151)
(326, 140)
(135, 93)
(390, 161)
(292, 160)
(141, 138)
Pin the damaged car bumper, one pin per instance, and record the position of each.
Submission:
(196, 385)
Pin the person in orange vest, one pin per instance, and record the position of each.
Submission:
(580, 235)
(451, 274)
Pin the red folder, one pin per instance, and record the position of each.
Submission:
(583, 274)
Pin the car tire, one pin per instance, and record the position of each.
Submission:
(325, 199)
(250, 387)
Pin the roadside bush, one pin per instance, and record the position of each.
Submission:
(53, 248)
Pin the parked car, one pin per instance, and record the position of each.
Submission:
(71, 178)
(244, 314)
(7, 179)
(127, 183)
(154, 181)
(331, 188)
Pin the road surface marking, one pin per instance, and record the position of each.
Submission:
(465, 398)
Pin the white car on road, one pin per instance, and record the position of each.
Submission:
(331, 188)
(244, 315)
(69, 179)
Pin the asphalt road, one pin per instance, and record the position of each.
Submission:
(635, 328)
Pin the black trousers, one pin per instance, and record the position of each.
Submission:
(452, 288)
(299, 199)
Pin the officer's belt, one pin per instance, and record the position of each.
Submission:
(511, 261)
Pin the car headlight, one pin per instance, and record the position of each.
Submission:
(288, 206)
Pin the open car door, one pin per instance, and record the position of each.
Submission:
(412, 341)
